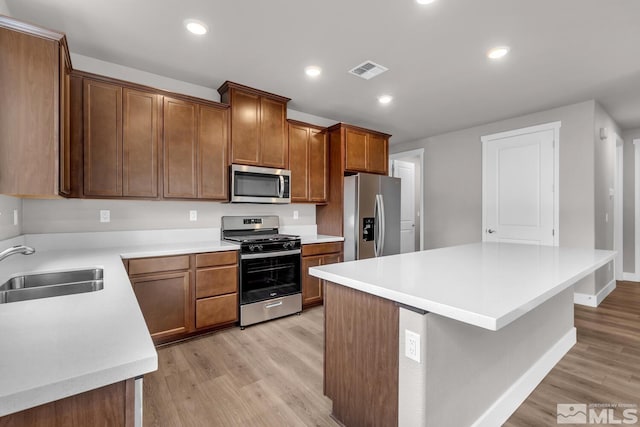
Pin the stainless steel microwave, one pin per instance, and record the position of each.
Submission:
(252, 184)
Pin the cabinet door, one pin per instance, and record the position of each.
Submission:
(245, 128)
(213, 142)
(102, 139)
(377, 154)
(180, 149)
(29, 114)
(216, 310)
(216, 281)
(355, 150)
(140, 144)
(273, 142)
(299, 162)
(164, 301)
(318, 166)
(64, 164)
(311, 286)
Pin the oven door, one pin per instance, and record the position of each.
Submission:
(250, 184)
(265, 276)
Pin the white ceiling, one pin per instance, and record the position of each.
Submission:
(561, 52)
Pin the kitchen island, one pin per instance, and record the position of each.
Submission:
(453, 336)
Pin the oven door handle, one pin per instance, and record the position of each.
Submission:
(269, 254)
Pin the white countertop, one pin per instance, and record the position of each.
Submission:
(483, 284)
(52, 348)
(320, 238)
(57, 347)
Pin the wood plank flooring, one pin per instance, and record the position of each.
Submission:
(267, 375)
(271, 374)
(603, 366)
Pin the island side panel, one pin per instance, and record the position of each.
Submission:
(476, 376)
(112, 405)
(361, 357)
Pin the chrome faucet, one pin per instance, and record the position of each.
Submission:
(20, 249)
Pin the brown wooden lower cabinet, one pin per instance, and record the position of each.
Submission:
(111, 405)
(315, 255)
(164, 301)
(185, 295)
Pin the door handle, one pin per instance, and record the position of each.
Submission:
(281, 193)
(490, 230)
(382, 225)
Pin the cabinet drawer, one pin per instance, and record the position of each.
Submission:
(216, 281)
(216, 310)
(155, 265)
(213, 259)
(321, 248)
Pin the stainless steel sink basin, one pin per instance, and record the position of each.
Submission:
(46, 285)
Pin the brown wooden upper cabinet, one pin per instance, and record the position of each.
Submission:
(308, 161)
(258, 126)
(195, 146)
(34, 121)
(120, 140)
(364, 150)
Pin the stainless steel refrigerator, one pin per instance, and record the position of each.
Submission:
(371, 216)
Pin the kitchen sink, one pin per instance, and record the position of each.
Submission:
(46, 285)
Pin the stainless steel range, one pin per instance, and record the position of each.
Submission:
(270, 268)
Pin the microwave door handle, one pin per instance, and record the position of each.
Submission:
(281, 194)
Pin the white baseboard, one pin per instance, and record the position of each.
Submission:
(507, 404)
(594, 300)
(631, 277)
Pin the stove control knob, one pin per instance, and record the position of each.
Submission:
(259, 247)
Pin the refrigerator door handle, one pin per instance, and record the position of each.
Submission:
(376, 225)
(382, 225)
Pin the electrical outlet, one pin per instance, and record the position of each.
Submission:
(15, 217)
(296, 215)
(105, 216)
(412, 345)
(193, 215)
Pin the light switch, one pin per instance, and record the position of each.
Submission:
(15, 217)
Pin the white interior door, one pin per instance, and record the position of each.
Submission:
(518, 187)
(406, 172)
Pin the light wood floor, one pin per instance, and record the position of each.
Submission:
(271, 374)
(603, 367)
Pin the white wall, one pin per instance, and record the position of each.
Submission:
(604, 180)
(4, 10)
(7, 206)
(453, 180)
(453, 177)
(77, 215)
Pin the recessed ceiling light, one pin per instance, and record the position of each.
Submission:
(497, 52)
(385, 99)
(196, 27)
(313, 71)
(425, 1)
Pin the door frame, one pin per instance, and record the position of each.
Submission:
(555, 127)
(420, 154)
(636, 274)
(618, 207)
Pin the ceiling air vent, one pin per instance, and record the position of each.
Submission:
(368, 69)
